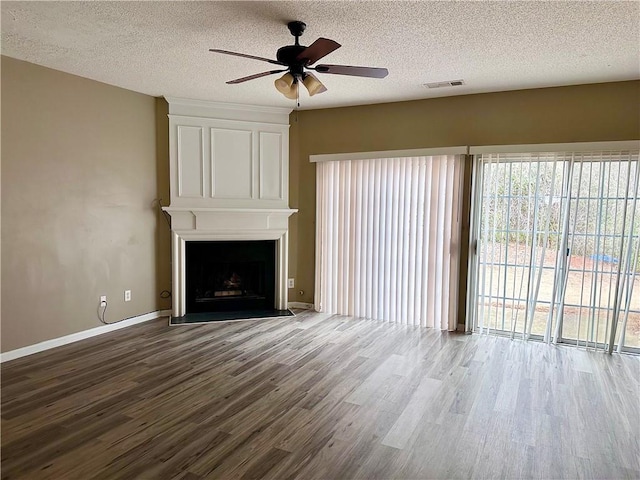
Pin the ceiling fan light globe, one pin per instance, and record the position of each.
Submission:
(313, 85)
(284, 83)
(292, 93)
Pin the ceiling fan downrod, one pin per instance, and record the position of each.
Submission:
(297, 29)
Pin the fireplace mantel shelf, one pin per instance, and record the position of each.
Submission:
(288, 211)
(201, 221)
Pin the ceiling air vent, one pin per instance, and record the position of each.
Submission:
(450, 83)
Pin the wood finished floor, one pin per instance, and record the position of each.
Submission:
(314, 396)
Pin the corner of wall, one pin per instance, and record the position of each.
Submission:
(163, 221)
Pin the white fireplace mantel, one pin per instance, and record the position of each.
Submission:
(229, 180)
(223, 224)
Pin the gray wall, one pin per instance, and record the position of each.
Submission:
(79, 179)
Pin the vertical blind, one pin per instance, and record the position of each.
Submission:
(558, 245)
(387, 239)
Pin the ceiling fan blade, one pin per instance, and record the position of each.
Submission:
(317, 50)
(227, 52)
(371, 72)
(257, 75)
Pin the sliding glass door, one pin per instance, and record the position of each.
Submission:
(556, 250)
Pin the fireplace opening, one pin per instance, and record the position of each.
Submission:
(224, 276)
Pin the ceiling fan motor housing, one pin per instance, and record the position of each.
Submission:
(288, 55)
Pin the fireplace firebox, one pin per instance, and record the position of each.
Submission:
(223, 276)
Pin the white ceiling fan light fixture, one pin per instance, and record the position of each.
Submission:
(313, 85)
(292, 94)
(287, 85)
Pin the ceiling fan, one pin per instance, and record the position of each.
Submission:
(298, 59)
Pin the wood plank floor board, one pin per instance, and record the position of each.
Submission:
(108, 396)
(274, 406)
(42, 453)
(66, 465)
(186, 455)
(378, 465)
(150, 451)
(317, 396)
(404, 426)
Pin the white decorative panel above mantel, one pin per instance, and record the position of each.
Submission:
(190, 159)
(270, 174)
(232, 179)
(224, 155)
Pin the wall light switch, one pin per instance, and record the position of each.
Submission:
(127, 295)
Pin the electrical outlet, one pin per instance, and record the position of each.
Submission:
(103, 300)
(127, 295)
(292, 282)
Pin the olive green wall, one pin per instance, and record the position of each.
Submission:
(583, 113)
(79, 179)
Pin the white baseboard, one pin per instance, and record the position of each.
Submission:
(74, 337)
(306, 306)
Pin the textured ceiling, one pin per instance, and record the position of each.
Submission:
(161, 48)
